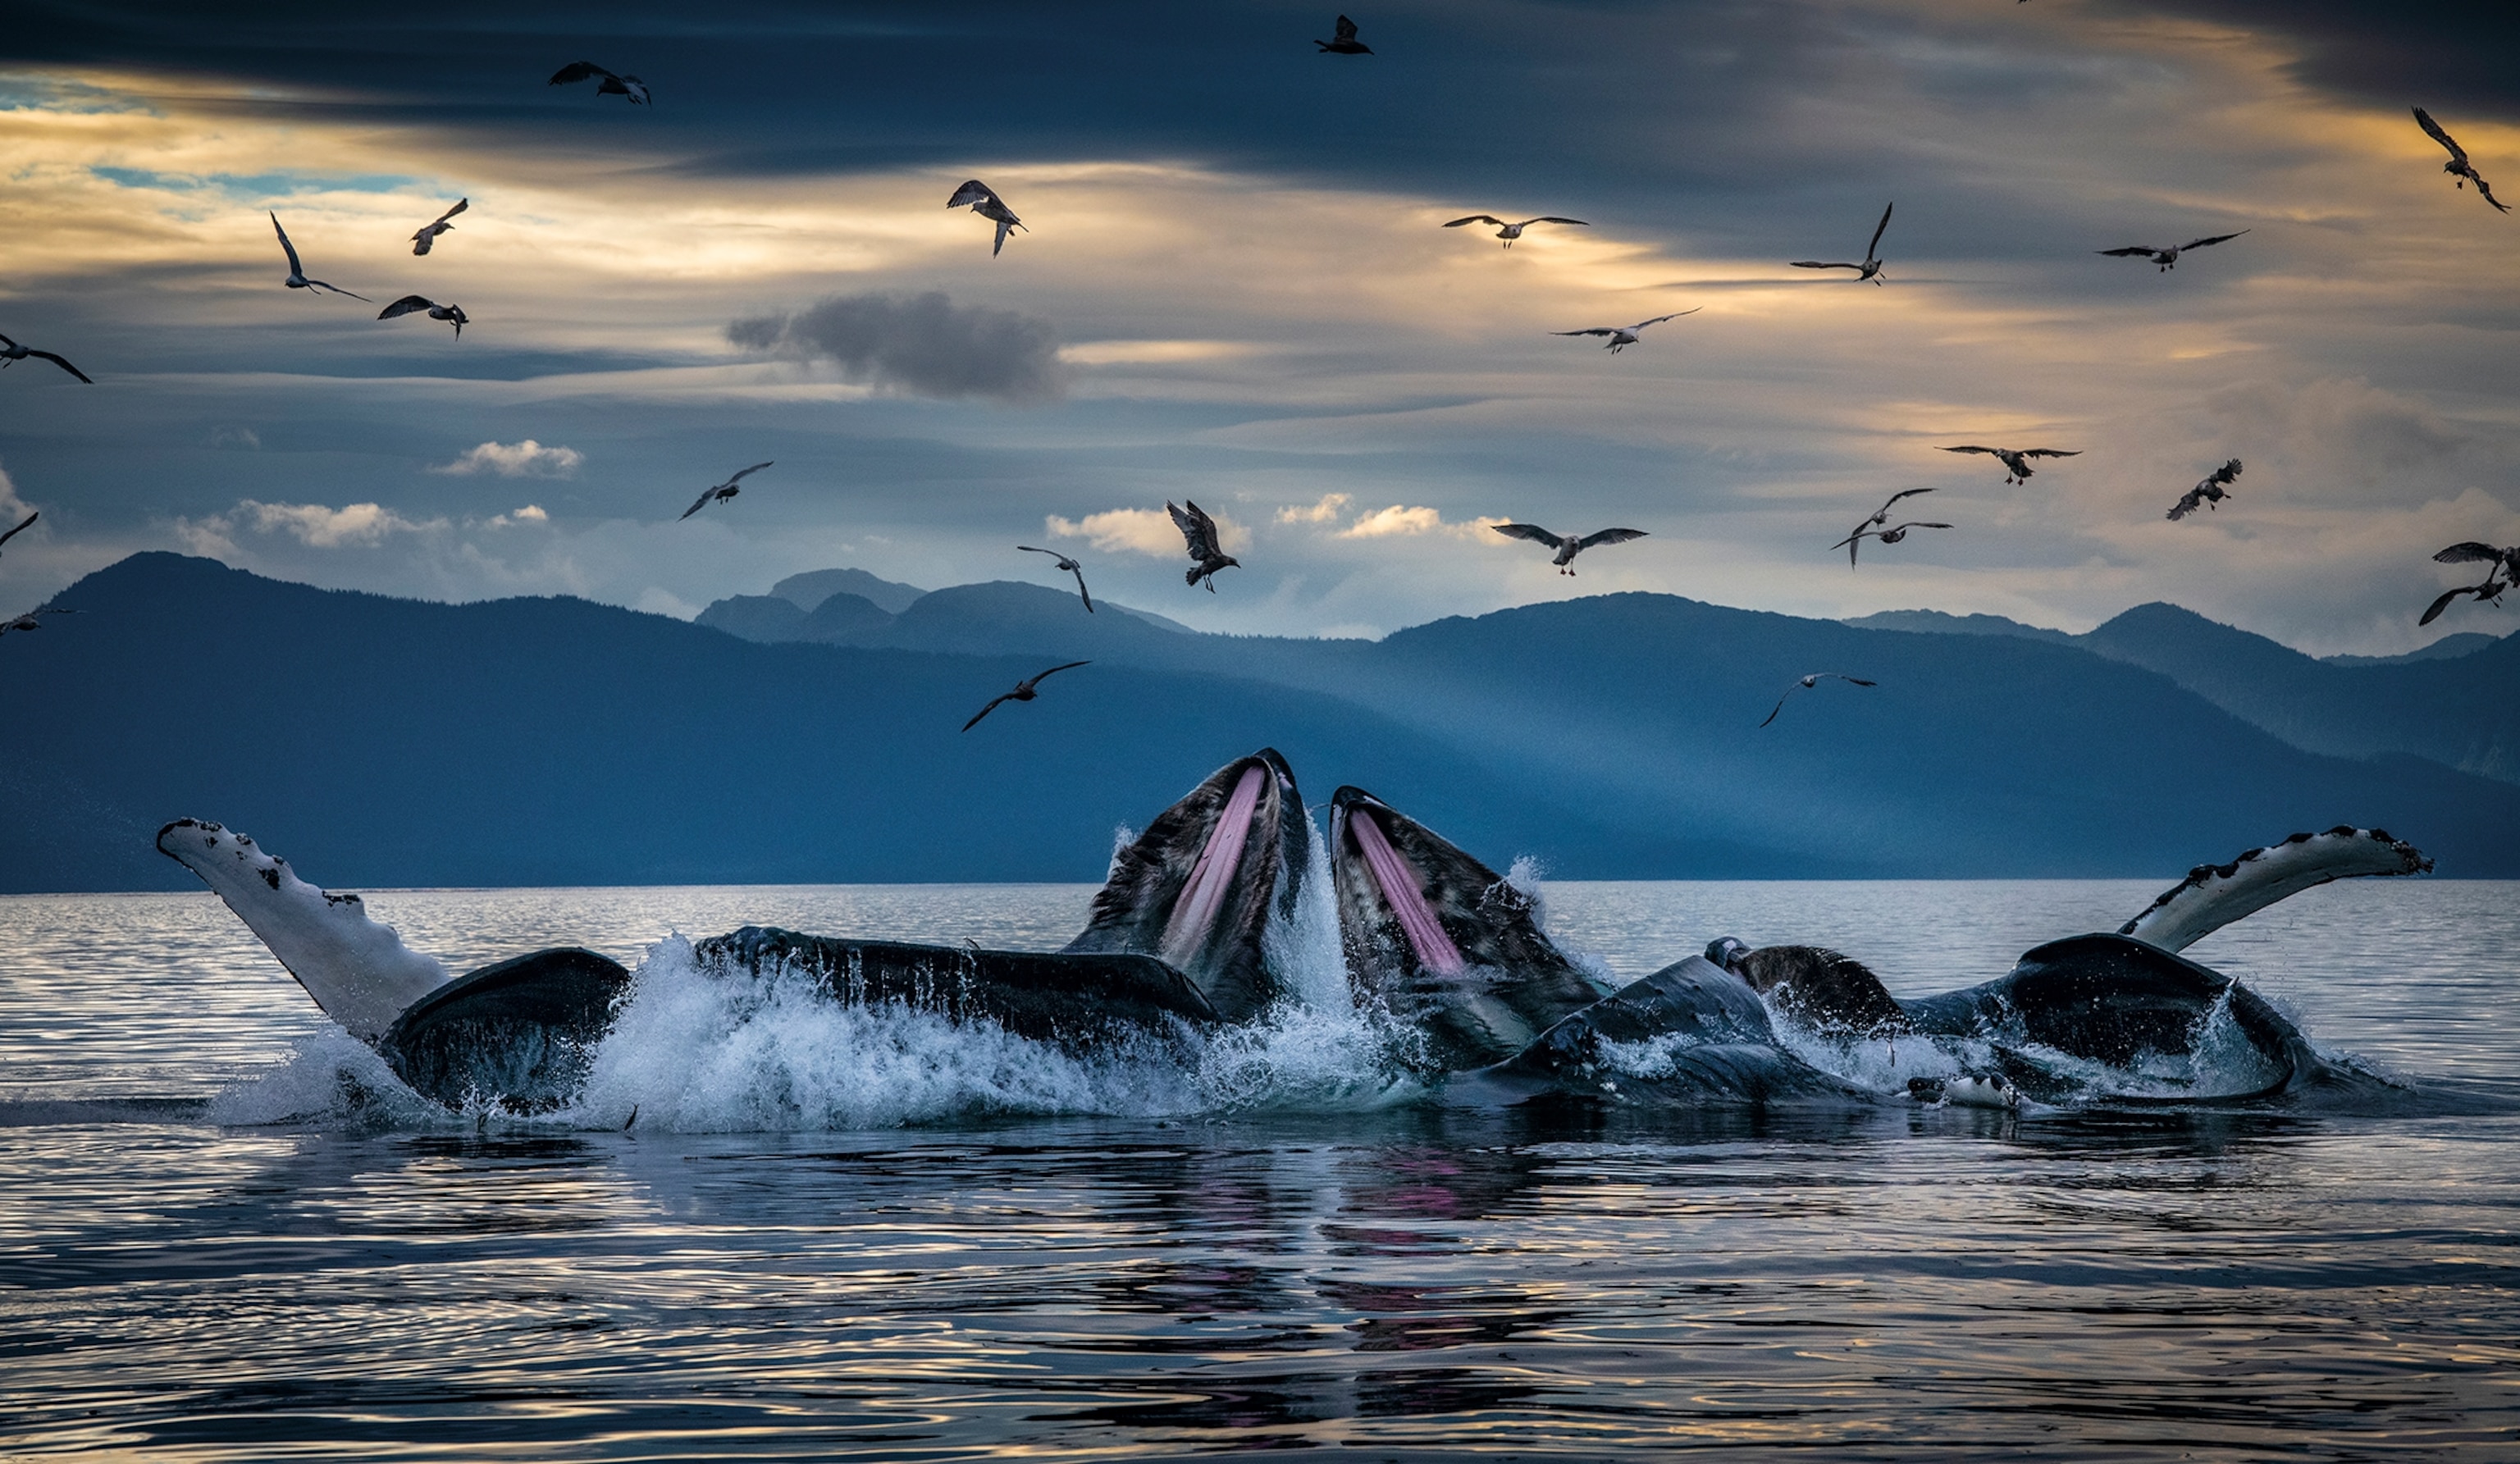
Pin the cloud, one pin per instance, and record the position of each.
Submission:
(923, 346)
(1395, 520)
(1326, 511)
(524, 459)
(245, 437)
(530, 514)
(1139, 531)
(350, 526)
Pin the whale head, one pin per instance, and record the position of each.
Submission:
(1198, 888)
(1442, 940)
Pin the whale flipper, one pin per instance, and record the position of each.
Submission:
(359, 971)
(2212, 896)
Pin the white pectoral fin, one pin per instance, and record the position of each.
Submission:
(359, 971)
(2212, 896)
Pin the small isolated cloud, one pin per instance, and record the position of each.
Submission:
(522, 460)
(923, 344)
(1137, 531)
(1383, 522)
(1326, 511)
(530, 514)
(245, 437)
(353, 525)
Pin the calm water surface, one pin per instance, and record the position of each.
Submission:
(831, 1237)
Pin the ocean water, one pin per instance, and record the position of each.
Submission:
(843, 1235)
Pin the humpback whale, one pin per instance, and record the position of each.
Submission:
(1176, 940)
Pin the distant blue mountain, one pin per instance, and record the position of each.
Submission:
(377, 741)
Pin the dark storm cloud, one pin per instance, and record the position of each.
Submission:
(923, 344)
(2439, 53)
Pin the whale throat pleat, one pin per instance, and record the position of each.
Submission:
(1211, 879)
(1398, 881)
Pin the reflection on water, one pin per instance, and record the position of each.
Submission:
(1390, 1282)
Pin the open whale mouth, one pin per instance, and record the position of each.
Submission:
(1441, 939)
(1199, 886)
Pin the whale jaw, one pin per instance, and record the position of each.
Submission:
(1442, 940)
(1198, 889)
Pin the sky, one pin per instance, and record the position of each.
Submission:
(1233, 285)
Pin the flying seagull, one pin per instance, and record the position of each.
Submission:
(1346, 43)
(610, 86)
(985, 203)
(1814, 680)
(1567, 547)
(2208, 492)
(2167, 258)
(2017, 464)
(1852, 541)
(1198, 531)
(1025, 690)
(451, 314)
(2458, 166)
(1066, 565)
(1880, 516)
(1871, 268)
(23, 525)
(11, 353)
(2506, 562)
(723, 491)
(1511, 232)
(429, 233)
(297, 272)
(28, 622)
(1626, 336)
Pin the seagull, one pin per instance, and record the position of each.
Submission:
(429, 233)
(297, 272)
(2483, 593)
(11, 353)
(452, 313)
(985, 203)
(2167, 258)
(23, 525)
(2506, 562)
(1567, 548)
(2017, 463)
(1346, 43)
(1626, 336)
(2208, 491)
(28, 622)
(1814, 680)
(723, 491)
(1200, 531)
(1511, 232)
(610, 86)
(1025, 690)
(2458, 166)
(1066, 565)
(1879, 517)
(1871, 268)
(1855, 541)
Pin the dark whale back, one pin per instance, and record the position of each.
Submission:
(1831, 993)
(1714, 1040)
(522, 1032)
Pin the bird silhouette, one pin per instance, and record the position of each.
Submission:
(1345, 42)
(610, 86)
(1852, 541)
(1804, 684)
(11, 353)
(985, 203)
(2209, 491)
(723, 491)
(23, 525)
(429, 232)
(453, 315)
(1198, 532)
(1623, 336)
(1511, 232)
(1567, 547)
(1871, 268)
(297, 272)
(2168, 258)
(1067, 566)
(1025, 690)
(2017, 464)
(2458, 167)
(2503, 561)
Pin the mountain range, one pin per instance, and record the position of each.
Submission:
(379, 741)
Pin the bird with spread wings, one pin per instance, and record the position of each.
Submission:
(2503, 561)
(1804, 684)
(610, 86)
(723, 491)
(1199, 535)
(1025, 690)
(1511, 232)
(1871, 268)
(1622, 337)
(1066, 565)
(1567, 545)
(2458, 167)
